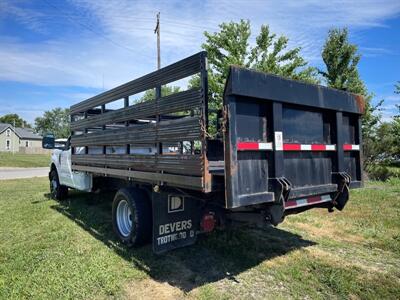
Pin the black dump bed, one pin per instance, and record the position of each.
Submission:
(280, 137)
(284, 132)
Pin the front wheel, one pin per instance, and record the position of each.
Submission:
(57, 191)
(132, 217)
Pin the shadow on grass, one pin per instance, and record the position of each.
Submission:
(47, 197)
(216, 256)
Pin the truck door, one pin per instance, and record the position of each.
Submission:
(65, 168)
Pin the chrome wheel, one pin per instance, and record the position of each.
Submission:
(124, 218)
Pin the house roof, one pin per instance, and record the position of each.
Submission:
(3, 126)
(23, 133)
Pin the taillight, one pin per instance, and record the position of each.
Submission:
(208, 221)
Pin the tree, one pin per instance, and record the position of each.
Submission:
(341, 60)
(384, 146)
(396, 127)
(56, 121)
(165, 91)
(11, 118)
(230, 46)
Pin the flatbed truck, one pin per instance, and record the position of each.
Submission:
(284, 147)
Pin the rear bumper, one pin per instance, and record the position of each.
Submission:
(309, 201)
(304, 192)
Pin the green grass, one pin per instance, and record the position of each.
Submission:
(57, 250)
(21, 160)
(394, 171)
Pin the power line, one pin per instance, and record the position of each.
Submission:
(90, 28)
(72, 16)
(150, 21)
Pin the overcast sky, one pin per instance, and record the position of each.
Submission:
(55, 53)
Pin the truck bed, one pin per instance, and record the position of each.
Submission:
(280, 136)
(115, 141)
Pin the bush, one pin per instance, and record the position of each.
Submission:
(378, 172)
(382, 172)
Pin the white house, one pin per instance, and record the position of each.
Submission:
(19, 139)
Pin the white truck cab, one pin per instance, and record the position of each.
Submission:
(61, 175)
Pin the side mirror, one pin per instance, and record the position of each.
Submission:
(48, 141)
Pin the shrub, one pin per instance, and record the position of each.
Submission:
(382, 172)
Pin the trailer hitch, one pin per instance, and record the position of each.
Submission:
(281, 187)
(341, 197)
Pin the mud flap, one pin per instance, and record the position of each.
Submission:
(342, 196)
(176, 220)
(341, 199)
(281, 187)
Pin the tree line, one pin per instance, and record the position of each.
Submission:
(55, 121)
(230, 45)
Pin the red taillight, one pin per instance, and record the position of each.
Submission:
(208, 222)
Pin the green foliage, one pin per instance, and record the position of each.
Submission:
(396, 128)
(230, 46)
(11, 118)
(378, 172)
(383, 172)
(379, 146)
(165, 91)
(56, 121)
(270, 55)
(341, 60)
(382, 147)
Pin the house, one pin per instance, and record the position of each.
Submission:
(19, 139)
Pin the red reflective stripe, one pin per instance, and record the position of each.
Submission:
(247, 146)
(290, 203)
(318, 147)
(291, 147)
(308, 147)
(347, 147)
(314, 199)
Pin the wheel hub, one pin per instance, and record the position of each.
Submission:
(124, 218)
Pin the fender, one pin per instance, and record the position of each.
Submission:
(73, 179)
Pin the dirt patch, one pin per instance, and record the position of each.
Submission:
(151, 289)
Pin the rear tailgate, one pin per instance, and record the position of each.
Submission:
(284, 135)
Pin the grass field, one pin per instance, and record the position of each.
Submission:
(21, 160)
(51, 250)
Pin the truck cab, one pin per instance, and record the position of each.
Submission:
(61, 175)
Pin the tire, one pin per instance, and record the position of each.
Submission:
(132, 216)
(57, 191)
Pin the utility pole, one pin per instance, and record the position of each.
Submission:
(157, 30)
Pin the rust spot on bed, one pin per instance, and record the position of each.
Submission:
(360, 103)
